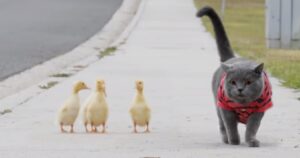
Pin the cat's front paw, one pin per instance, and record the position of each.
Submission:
(253, 143)
(225, 139)
(235, 141)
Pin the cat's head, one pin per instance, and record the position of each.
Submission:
(244, 81)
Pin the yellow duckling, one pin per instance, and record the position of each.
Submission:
(96, 108)
(68, 113)
(140, 111)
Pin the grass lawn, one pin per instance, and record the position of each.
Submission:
(244, 22)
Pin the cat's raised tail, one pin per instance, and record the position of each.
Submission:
(223, 44)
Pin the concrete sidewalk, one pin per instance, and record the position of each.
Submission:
(171, 51)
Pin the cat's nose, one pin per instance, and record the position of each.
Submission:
(240, 90)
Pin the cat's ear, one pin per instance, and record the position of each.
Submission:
(226, 67)
(259, 68)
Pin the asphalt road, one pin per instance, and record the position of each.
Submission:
(34, 31)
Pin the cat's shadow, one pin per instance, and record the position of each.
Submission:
(219, 145)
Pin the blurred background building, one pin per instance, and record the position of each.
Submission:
(283, 23)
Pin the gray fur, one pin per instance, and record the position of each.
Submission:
(239, 70)
(243, 84)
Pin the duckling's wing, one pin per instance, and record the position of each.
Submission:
(64, 109)
(132, 111)
(147, 112)
(147, 108)
(84, 108)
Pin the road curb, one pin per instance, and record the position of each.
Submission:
(86, 53)
(130, 27)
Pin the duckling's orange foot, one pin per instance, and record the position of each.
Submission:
(147, 131)
(87, 131)
(86, 128)
(95, 130)
(72, 129)
(134, 128)
(103, 128)
(62, 128)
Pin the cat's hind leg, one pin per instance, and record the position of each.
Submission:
(252, 128)
(222, 128)
(230, 122)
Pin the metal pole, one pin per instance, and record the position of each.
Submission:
(223, 6)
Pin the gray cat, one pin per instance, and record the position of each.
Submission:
(241, 89)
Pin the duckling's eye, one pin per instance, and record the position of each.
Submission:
(233, 82)
(248, 82)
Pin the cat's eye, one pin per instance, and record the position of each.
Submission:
(233, 82)
(248, 82)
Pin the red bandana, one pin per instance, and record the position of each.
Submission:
(243, 112)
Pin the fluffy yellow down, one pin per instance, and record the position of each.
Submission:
(140, 111)
(68, 112)
(96, 109)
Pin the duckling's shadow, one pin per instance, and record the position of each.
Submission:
(106, 133)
